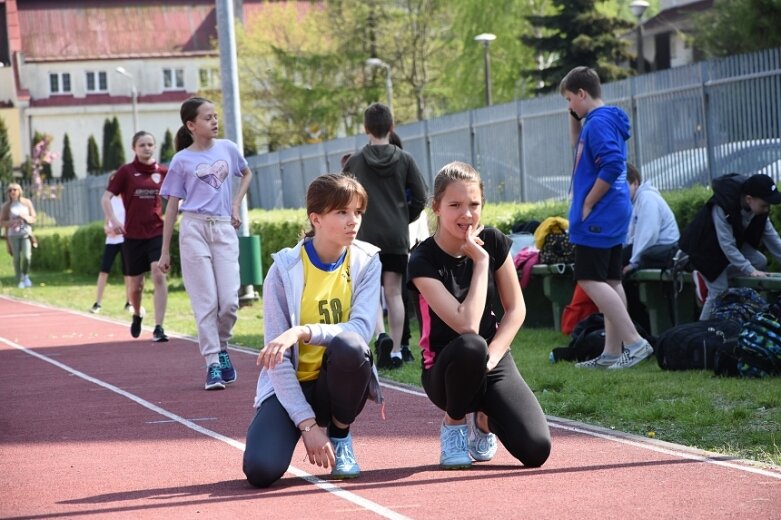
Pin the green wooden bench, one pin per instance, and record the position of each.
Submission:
(557, 286)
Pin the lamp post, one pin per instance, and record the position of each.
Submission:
(638, 8)
(486, 39)
(377, 62)
(134, 95)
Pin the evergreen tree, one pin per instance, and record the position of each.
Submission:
(108, 135)
(114, 157)
(68, 172)
(577, 34)
(167, 149)
(93, 159)
(6, 161)
(733, 27)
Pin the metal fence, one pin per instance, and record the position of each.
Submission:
(690, 124)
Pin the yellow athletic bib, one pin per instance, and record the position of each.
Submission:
(326, 299)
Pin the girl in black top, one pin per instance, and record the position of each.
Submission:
(467, 368)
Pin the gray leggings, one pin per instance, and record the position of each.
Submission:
(458, 384)
(22, 251)
(340, 392)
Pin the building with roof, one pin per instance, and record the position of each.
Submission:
(68, 66)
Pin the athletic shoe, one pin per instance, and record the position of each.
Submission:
(396, 363)
(135, 327)
(27, 282)
(482, 446)
(214, 378)
(598, 363)
(95, 309)
(226, 367)
(128, 307)
(383, 347)
(700, 287)
(406, 354)
(21, 285)
(345, 466)
(454, 454)
(158, 334)
(631, 357)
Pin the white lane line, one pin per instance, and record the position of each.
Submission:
(555, 422)
(322, 484)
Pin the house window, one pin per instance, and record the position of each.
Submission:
(97, 81)
(60, 82)
(173, 79)
(209, 78)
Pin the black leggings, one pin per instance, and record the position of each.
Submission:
(459, 384)
(340, 391)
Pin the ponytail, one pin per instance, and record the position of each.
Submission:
(183, 138)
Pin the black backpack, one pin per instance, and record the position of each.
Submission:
(588, 340)
(757, 352)
(695, 346)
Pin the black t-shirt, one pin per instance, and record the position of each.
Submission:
(429, 261)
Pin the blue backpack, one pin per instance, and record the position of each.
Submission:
(758, 351)
(738, 304)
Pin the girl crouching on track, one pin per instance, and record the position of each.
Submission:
(320, 304)
(467, 368)
(200, 174)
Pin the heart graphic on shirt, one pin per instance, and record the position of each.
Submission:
(213, 175)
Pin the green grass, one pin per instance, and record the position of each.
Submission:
(731, 416)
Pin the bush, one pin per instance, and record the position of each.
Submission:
(53, 252)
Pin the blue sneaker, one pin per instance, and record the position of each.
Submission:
(482, 446)
(226, 367)
(455, 454)
(214, 378)
(345, 466)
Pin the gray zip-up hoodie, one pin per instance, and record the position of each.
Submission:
(282, 292)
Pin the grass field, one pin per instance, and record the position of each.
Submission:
(730, 416)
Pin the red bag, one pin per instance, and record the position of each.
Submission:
(579, 308)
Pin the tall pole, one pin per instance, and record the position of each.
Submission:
(638, 8)
(389, 87)
(134, 93)
(487, 62)
(229, 76)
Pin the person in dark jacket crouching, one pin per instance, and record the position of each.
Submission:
(724, 238)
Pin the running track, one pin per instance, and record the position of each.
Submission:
(95, 424)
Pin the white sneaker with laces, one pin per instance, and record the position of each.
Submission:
(482, 446)
(27, 282)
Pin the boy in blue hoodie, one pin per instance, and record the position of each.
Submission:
(600, 212)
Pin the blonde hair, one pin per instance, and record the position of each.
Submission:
(17, 186)
(453, 172)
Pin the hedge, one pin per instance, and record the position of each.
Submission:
(81, 249)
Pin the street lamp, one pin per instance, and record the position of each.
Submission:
(133, 93)
(377, 62)
(486, 38)
(638, 8)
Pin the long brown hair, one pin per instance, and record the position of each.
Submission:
(188, 112)
(332, 191)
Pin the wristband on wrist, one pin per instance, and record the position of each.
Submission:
(309, 428)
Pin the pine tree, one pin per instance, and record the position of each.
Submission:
(114, 156)
(578, 34)
(108, 135)
(68, 172)
(167, 150)
(93, 159)
(6, 161)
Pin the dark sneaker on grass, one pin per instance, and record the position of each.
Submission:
(396, 362)
(226, 367)
(406, 354)
(158, 334)
(214, 378)
(95, 309)
(135, 327)
(383, 347)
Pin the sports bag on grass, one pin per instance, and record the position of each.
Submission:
(738, 304)
(757, 352)
(694, 346)
(588, 340)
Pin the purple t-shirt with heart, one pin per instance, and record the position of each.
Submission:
(202, 178)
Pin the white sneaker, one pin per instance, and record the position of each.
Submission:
(631, 357)
(21, 285)
(598, 363)
(27, 282)
(482, 446)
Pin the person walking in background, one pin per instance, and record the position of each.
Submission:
(199, 185)
(320, 302)
(112, 248)
(599, 214)
(17, 217)
(397, 193)
(467, 368)
(138, 183)
(724, 237)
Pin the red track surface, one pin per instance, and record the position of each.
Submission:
(96, 424)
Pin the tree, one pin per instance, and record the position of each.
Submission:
(114, 157)
(732, 27)
(577, 33)
(6, 160)
(93, 159)
(167, 149)
(68, 172)
(108, 135)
